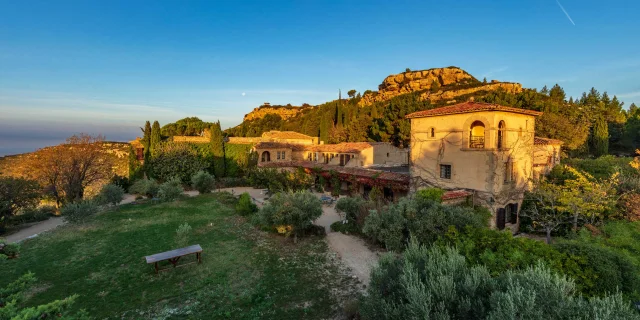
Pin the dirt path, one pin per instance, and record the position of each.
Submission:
(352, 250)
(34, 230)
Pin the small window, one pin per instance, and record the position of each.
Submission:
(278, 155)
(387, 154)
(283, 155)
(432, 132)
(445, 171)
(509, 172)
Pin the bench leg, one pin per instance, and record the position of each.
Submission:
(156, 267)
(199, 256)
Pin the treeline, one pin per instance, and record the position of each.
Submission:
(594, 124)
(165, 159)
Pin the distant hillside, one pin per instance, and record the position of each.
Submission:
(379, 115)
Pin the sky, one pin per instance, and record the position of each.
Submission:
(104, 67)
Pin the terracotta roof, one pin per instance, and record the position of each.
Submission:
(280, 145)
(546, 141)
(398, 178)
(455, 194)
(345, 147)
(285, 135)
(470, 106)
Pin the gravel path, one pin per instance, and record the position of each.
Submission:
(35, 229)
(352, 250)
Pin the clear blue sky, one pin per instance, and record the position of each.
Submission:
(106, 66)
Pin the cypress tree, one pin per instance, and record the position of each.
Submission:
(155, 136)
(324, 129)
(146, 142)
(600, 137)
(217, 150)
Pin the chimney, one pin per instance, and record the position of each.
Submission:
(471, 99)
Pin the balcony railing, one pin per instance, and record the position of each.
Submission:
(476, 142)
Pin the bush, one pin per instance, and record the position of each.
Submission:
(33, 215)
(280, 181)
(182, 234)
(226, 198)
(176, 160)
(230, 182)
(170, 190)
(17, 194)
(245, 205)
(122, 182)
(78, 212)
(12, 303)
(433, 194)
(293, 211)
(145, 187)
(353, 210)
(111, 194)
(203, 182)
(9, 250)
(432, 282)
(348, 227)
(420, 218)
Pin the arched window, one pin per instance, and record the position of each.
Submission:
(432, 132)
(476, 135)
(501, 135)
(266, 156)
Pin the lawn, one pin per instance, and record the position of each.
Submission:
(245, 274)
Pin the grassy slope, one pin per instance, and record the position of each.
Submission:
(245, 274)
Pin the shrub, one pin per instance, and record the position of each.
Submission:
(203, 182)
(170, 190)
(78, 212)
(120, 181)
(9, 250)
(226, 198)
(345, 227)
(33, 215)
(146, 187)
(176, 160)
(16, 194)
(433, 194)
(297, 210)
(352, 209)
(433, 282)
(280, 181)
(12, 303)
(421, 218)
(111, 194)
(245, 205)
(182, 234)
(231, 182)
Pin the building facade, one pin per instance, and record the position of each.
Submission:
(486, 149)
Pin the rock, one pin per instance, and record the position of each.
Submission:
(449, 78)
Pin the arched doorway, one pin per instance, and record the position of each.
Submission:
(476, 135)
(266, 156)
(501, 135)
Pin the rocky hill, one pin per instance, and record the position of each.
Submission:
(285, 112)
(438, 84)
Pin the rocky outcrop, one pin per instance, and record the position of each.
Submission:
(437, 84)
(452, 94)
(285, 112)
(407, 82)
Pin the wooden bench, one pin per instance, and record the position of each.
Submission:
(174, 255)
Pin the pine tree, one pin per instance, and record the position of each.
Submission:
(435, 86)
(217, 150)
(600, 137)
(155, 136)
(484, 81)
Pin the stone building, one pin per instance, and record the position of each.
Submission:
(346, 154)
(486, 149)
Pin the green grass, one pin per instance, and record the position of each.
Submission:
(245, 274)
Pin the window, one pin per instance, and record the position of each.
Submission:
(509, 172)
(278, 155)
(309, 156)
(501, 135)
(283, 155)
(445, 171)
(476, 135)
(387, 154)
(432, 132)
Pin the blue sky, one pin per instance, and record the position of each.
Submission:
(107, 66)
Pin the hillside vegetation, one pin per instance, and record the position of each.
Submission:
(592, 124)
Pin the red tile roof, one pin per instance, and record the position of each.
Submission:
(546, 141)
(344, 147)
(470, 106)
(455, 194)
